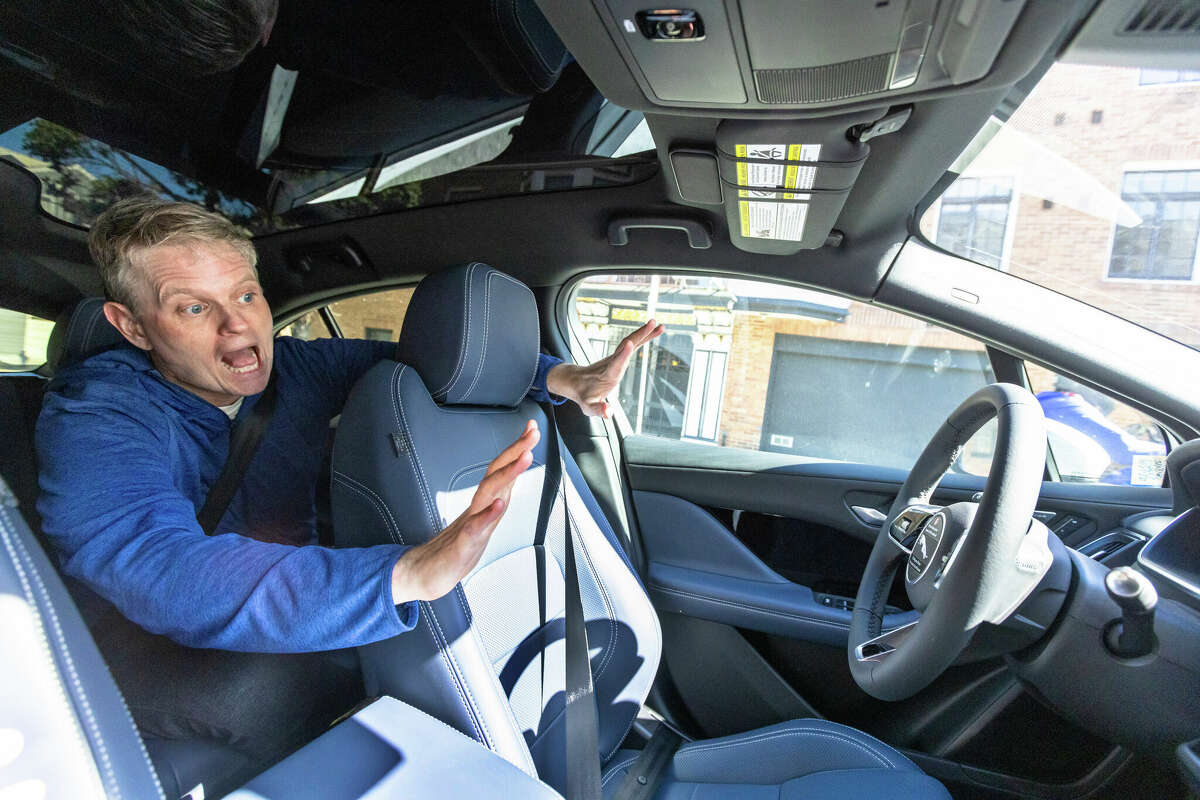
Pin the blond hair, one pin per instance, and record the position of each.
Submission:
(129, 227)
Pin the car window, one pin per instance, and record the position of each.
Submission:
(1094, 438)
(756, 365)
(309, 325)
(23, 340)
(378, 315)
(375, 315)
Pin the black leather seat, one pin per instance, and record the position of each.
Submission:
(412, 445)
(67, 730)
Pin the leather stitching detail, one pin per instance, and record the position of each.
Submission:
(19, 560)
(462, 343)
(615, 769)
(700, 747)
(380, 507)
(483, 340)
(448, 658)
(443, 647)
(749, 607)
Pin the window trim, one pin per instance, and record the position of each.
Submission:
(1151, 166)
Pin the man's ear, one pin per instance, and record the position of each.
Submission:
(123, 320)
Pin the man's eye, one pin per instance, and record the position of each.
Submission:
(194, 309)
(248, 297)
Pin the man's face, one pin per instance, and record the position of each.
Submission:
(201, 315)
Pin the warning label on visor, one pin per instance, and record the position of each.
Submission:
(761, 216)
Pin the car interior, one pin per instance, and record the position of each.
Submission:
(902, 503)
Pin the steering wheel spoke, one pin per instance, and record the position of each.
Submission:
(885, 644)
(906, 525)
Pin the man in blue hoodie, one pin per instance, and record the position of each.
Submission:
(131, 440)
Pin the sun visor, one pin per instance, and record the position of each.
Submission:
(782, 184)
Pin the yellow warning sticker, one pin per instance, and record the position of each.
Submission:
(776, 176)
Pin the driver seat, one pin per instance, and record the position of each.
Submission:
(414, 440)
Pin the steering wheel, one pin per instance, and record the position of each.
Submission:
(965, 564)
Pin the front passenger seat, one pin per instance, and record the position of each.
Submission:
(412, 445)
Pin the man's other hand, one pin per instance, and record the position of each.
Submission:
(591, 386)
(430, 570)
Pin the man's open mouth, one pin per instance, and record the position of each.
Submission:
(242, 361)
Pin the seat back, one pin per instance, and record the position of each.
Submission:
(79, 333)
(67, 732)
(413, 443)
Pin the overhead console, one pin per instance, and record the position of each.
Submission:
(722, 55)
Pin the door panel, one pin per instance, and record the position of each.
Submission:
(698, 567)
(751, 556)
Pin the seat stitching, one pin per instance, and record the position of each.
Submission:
(13, 543)
(451, 668)
(614, 769)
(381, 509)
(414, 458)
(461, 685)
(816, 620)
(703, 748)
(483, 340)
(468, 469)
(462, 337)
(465, 341)
(512, 720)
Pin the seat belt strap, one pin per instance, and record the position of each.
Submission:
(582, 723)
(644, 777)
(243, 443)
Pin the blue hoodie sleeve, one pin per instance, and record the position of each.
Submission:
(121, 526)
(538, 391)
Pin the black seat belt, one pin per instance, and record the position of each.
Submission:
(648, 771)
(243, 443)
(583, 732)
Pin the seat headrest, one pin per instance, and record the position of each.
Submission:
(471, 333)
(80, 332)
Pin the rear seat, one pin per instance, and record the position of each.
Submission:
(79, 333)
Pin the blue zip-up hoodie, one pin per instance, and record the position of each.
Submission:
(126, 462)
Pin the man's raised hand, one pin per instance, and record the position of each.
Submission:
(591, 386)
(430, 570)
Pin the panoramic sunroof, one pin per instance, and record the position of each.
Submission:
(81, 176)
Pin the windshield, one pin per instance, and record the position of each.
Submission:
(1091, 188)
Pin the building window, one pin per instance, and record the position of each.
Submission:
(1152, 77)
(1163, 247)
(974, 218)
(706, 384)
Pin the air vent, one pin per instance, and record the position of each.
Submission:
(1164, 18)
(822, 84)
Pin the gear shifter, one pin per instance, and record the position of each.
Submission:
(1133, 634)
